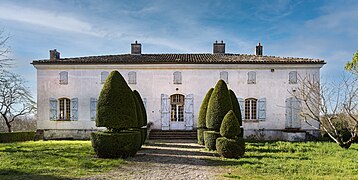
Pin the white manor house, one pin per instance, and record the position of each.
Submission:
(173, 87)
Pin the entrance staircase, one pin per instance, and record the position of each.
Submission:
(172, 135)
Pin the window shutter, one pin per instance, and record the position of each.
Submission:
(293, 77)
(93, 105)
(53, 109)
(224, 76)
(74, 109)
(289, 112)
(261, 109)
(132, 77)
(296, 108)
(63, 77)
(165, 111)
(145, 102)
(251, 77)
(189, 110)
(242, 107)
(177, 77)
(104, 75)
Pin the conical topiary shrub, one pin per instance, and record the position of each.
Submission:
(237, 110)
(116, 107)
(142, 118)
(202, 117)
(219, 105)
(116, 110)
(230, 127)
(230, 145)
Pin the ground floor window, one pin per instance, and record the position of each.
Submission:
(177, 107)
(64, 109)
(250, 108)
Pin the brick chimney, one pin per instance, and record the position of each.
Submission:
(259, 50)
(136, 48)
(54, 55)
(219, 47)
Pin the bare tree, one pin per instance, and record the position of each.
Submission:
(325, 107)
(15, 98)
(5, 61)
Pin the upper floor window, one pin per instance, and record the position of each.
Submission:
(104, 75)
(292, 77)
(132, 77)
(251, 77)
(250, 108)
(64, 77)
(224, 76)
(177, 77)
(64, 109)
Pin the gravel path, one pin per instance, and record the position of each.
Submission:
(168, 160)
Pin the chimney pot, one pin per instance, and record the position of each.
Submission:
(136, 48)
(259, 50)
(54, 55)
(219, 48)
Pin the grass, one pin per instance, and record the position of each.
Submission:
(287, 160)
(52, 160)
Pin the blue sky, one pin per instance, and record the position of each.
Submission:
(323, 29)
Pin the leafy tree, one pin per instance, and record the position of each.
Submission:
(353, 65)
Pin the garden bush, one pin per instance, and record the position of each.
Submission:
(202, 117)
(230, 148)
(116, 145)
(237, 110)
(143, 118)
(230, 127)
(116, 107)
(210, 139)
(219, 104)
(16, 137)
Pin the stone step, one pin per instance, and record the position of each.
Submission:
(159, 134)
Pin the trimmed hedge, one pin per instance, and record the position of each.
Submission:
(230, 148)
(236, 106)
(230, 127)
(116, 107)
(210, 139)
(203, 109)
(143, 131)
(17, 137)
(219, 105)
(201, 136)
(144, 120)
(138, 109)
(116, 145)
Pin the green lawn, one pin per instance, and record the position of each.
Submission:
(51, 160)
(285, 160)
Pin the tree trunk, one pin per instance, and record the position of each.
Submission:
(8, 126)
(348, 144)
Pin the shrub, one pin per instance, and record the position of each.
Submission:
(116, 107)
(201, 136)
(219, 105)
(236, 106)
(230, 148)
(203, 108)
(16, 137)
(116, 145)
(210, 139)
(143, 131)
(138, 109)
(230, 127)
(143, 121)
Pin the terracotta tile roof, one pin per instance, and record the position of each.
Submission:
(181, 59)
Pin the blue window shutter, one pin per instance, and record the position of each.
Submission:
(93, 106)
(63, 77)
(251, 77)
(261, 109)
(165, 111)
(189, 110)
(74, 109)
(242, 107)
(53, 109)
(289, 112)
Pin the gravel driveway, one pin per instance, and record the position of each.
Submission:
(168, 160)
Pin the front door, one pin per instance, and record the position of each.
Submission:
(177, 112)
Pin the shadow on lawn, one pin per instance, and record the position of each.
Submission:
(19, 175)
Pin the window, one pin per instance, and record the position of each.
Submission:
(177, 77)
(132, 79)
(93, 106)
(250, 109)
(292, 79)
(177, 107)
(251, 77)
(63, 77)
(104, 75)
(224, 76)
(64, 109)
